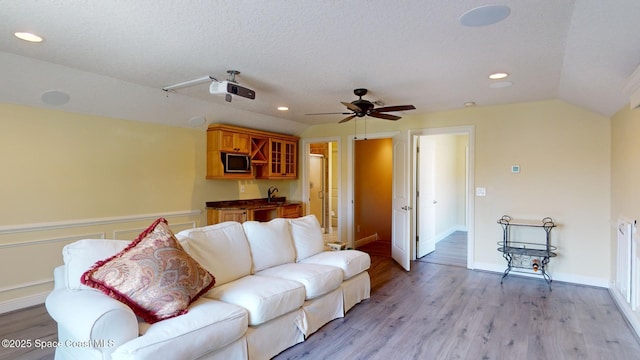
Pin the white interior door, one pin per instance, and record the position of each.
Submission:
(400, 232)
(426, 209)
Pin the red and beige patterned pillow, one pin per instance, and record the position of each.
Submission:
(154, 276)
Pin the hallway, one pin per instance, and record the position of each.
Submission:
(451, 250)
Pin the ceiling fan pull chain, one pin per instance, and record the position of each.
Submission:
(355, 130)
(365, 128)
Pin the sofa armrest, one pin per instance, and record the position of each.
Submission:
(88, 315)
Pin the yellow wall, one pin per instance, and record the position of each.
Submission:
(67, 169)
(66, 176)
(564, 155)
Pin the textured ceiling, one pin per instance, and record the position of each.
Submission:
(114, 57)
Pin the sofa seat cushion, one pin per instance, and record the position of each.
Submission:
(222, 249)
(265, 298)
(209, 325)
(317, 279)
(352, 262)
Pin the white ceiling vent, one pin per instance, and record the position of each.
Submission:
(632, 89)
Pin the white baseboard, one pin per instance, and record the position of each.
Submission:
(564, 277)
(444, 234)
(366, 240)
(24, 302)
(626, 310)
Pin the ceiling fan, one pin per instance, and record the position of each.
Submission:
(361, 108)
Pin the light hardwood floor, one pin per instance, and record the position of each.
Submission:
(438, 312)
(447, 312)
(451, 250)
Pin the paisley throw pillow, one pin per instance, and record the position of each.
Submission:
(154, 276)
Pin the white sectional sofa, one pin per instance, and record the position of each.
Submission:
(274, 286)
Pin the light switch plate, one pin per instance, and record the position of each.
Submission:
(480, 191)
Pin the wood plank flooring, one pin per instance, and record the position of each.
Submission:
(447, 312)
(32, 324)
(437, 312)
(451, 250)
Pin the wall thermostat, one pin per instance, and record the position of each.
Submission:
(515, 169)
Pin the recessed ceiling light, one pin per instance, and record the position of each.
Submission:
(498, 75)
(469, 104)
(283, 108)
(485, 15)
(28, 37)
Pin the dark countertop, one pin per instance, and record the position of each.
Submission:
(250, 203)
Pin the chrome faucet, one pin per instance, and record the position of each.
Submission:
(271, 193)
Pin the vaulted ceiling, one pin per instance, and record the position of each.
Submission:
(114, 57)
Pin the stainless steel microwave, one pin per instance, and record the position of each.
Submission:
(236, 163)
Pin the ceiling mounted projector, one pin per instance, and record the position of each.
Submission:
(228, 88)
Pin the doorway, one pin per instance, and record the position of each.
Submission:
(443, 181)
(322, 186)
(441, 198)
(373, 162)
(404, 220)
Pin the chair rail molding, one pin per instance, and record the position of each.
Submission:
(12, 229)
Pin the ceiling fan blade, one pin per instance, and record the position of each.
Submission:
(331, 113)
(384, 116)
(394, 108)
(346, 119)
(350, 106)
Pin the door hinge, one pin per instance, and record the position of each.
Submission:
(417, 238)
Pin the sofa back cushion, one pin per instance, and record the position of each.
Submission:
(307, 236)
(79, 256)
(270, 243)
(222, 249)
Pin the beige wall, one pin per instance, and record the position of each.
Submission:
(67, 176)
(564, 154)
(90, 176)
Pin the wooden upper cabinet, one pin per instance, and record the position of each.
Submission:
(273, 155)
(283, 160)
(234, 142)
